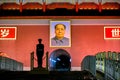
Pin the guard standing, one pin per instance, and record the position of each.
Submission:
(39, 52)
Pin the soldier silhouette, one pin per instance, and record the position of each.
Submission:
(39, 52)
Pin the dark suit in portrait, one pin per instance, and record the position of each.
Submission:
(62, 42)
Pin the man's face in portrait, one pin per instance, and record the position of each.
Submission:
(60, 31)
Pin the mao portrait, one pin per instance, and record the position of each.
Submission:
(60, 34)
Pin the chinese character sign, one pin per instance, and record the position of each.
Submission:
(7, 33)
(112, 32)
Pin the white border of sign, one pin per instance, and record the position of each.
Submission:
(10, 38)
(110, 27)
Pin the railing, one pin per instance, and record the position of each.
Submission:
(32, 58)
(88, 64)
(9, 64)
(109, 64)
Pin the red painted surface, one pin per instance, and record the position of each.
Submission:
(86, 40)
(88, 5)
(20, 6)
(111, 5)
(77, 6)
(66, 5)
(6, 6)
(100, 7)
(60, 5)
(44, 6)
(32, 5)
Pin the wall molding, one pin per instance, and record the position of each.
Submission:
(5, 22)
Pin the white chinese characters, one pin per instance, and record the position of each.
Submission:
(4, 32)
(115, 32)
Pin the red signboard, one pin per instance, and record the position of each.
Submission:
(112, 32)
(7, 33)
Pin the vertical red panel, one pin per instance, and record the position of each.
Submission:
(100, 7)
(77, 6)
(44, 6)
(20, 6)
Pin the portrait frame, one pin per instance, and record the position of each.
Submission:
(67, 34)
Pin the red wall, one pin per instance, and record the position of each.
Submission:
(86, 40)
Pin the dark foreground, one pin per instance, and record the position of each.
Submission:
(46, 75)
